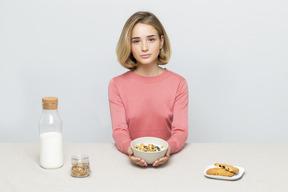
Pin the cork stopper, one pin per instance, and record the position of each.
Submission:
(50, 103)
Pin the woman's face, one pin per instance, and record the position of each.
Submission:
(146, 44)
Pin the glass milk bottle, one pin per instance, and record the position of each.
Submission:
(51, 143)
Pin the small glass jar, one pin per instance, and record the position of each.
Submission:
(80, 166)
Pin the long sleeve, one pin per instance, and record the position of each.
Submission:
(179, 127)
(149, 107)
(118, 117)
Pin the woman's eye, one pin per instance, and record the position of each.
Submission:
(135, 41)
(152, 39)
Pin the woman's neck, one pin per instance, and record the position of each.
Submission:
(149, 70)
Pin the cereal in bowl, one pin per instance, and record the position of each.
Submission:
(148, 147)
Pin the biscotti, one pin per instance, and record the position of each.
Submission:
(219, 172)
(229, 168)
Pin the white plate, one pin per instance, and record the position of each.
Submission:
(234, 177)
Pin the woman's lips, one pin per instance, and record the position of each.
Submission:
(145, 56)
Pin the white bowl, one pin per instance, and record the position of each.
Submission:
(149, 157)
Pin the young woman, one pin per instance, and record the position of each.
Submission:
(148, 100)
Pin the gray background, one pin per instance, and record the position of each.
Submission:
(232, 53)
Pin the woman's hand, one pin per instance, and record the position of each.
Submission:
(136, 160)
(162, 160)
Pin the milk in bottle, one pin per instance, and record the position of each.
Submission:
(51, 142)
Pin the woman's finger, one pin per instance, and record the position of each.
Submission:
(160, 161)
(130, 152)
(138, 161)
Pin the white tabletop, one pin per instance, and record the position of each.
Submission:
(265, 167)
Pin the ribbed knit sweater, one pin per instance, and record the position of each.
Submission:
(149, 107)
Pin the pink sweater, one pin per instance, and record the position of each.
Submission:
(149, 107)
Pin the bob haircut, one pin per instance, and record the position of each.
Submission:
(123, 49)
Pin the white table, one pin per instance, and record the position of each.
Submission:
(265, 167)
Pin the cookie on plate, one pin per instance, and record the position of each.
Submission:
(219, 172)
(229, 168)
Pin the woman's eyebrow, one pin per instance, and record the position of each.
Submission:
(147, 36)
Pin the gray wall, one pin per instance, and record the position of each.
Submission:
(232, 53)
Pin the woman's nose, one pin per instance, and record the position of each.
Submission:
(144, 46)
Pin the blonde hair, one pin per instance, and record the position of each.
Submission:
(123, 49)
